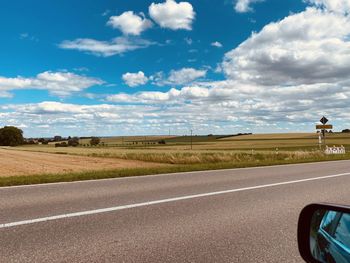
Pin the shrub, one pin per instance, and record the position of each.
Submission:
(95, 141)
(61, 144)
(74, 142)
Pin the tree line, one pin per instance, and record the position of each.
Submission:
(13, 136)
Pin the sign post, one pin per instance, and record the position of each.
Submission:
(320, 141)
(323, 129)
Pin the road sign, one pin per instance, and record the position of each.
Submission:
(324, 127)
(324, 120)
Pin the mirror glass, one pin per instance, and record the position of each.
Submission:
(330, 236)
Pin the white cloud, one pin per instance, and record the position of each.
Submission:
(179, 77)
(75, 120)
(185, 75)
(214, 107)
(116, 46)
(304, 48)
(171, 96)
(57, 83)
(216, 44)
(243, 6)
(173, 15)
(249, 104)
(135, 79)
(338, 6)
(130, 23)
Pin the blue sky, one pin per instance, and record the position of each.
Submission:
(147, 67)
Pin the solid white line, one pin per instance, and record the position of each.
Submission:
(171, 174)
(175, 199)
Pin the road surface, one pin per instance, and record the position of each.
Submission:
(239, 215)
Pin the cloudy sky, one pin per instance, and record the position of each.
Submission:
(110, 67)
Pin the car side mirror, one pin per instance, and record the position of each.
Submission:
(324, 233)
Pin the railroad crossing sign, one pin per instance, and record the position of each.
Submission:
(324, 120)
(324, 126)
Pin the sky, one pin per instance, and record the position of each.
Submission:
(109, 67)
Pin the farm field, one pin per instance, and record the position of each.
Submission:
(176, 150)
(47, 163)
(127, 140)
(14, 163)
(283, 141)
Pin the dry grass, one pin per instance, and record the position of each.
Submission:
(241, 161)
(181, 157)
(220, 157)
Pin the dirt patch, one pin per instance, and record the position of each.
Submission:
(13, 162)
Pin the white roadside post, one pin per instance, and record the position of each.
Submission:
(320, 140)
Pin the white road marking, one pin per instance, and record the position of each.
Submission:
(181, 198)
(173, 174)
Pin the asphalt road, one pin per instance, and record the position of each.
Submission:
(242, 215)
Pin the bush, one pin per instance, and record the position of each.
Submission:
(57, 138)
(74, 142)
(30, 142)
(95, 141)
(61, 144)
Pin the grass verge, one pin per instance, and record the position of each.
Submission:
(82, 176)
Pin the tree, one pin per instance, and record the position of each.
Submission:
(162, 142)
(11, 136)
(346, 131)
(73, 141)
(95, 141)
(57, 138)
(43, 141)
